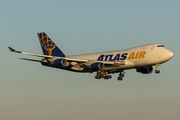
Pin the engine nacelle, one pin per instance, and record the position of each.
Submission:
(97, 66)
(145, 70)
(60, 62)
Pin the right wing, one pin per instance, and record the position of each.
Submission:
(31, 60)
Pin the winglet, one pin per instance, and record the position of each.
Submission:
(11, 49)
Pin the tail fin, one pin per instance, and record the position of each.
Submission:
(48, 46)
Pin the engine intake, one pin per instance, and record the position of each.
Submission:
(145, 70)
(97, 66)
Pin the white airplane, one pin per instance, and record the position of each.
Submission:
(141, 58)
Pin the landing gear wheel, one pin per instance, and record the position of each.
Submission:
(157, 71)
(122, 75)
(102, 76)
(110, 77)
(97, 77)
(119, 78)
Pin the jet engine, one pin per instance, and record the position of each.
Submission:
(97, 66)
(145, 70)
(60, 62)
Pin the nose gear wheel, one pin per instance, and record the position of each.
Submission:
(157, 68)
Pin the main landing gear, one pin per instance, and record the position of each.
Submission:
(120, 76)
(103, 74)
(157, 68)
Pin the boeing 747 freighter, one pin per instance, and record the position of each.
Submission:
(141, 58)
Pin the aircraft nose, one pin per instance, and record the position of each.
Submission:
(171, 54)
(166, 55)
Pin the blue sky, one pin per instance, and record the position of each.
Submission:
(31, 91)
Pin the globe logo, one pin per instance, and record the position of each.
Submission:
(47, 43)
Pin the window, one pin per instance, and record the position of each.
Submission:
(160, 46)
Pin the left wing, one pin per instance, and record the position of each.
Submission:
(38, 55)
(67, 59)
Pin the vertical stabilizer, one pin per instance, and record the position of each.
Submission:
(48, 46)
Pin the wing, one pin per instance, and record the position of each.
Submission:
(38, 55)
(66, 58)
(31, 60)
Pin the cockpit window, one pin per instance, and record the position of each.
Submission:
(160, 46)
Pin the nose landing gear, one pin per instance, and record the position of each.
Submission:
(157, 68)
